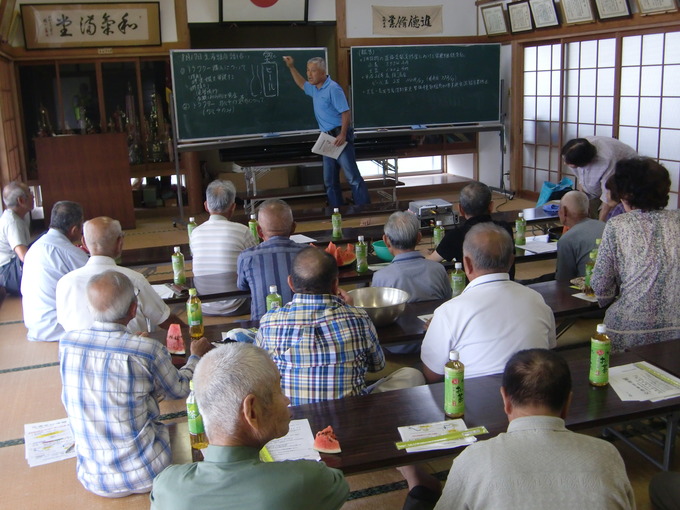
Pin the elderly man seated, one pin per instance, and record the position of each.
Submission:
(538, 464)
(15, 234)
(575, 245)
(269, 263)
(112, 382)
(493, 318)
(103, 236)
(238, 391)
(410, 271)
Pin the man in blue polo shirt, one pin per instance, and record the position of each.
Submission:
(333, 116)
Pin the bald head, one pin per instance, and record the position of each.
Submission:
(275, 218)
(110, 296)
(488, 248)
(314, 272)
(574, 208)
(103, 236)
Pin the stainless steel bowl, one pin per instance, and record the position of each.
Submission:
(383, 304)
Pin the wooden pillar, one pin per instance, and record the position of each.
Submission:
(192, 168)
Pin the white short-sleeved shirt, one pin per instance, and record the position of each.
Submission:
(215, 247)
(489, 322)
(49, 258)
(72, 306)
(14, 231)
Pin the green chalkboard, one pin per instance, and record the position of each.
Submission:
(224, 93)
(425, 85)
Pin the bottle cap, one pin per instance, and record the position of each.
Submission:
(601, 329)
(360, 239)
(192, 292)
(272, 289)
(439, 223)
(520, 215)
(458, 265)
(176, 248)
(192, 219)
(336, 210)
(453, 355)
(252, 216)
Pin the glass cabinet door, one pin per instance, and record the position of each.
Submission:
(79, 97)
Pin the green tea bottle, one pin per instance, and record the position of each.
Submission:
(600, 347)
(361, 251)
(336, 221)
(179, 277)
(520, 230)
(454, 387)
(252, 225)
(273, 299)
(457, 280)
(438, 233)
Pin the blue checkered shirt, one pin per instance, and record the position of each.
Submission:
(322, 346)
(267, 264)
(111, 383)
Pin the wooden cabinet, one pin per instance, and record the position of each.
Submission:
(92, 170)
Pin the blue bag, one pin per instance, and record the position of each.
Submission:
(552, 191)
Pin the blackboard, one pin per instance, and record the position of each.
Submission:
(425, 85)
(224, 93)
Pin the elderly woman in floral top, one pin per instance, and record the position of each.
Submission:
(638, 264)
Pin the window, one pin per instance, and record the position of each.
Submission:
(570, 90)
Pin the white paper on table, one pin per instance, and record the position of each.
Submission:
(300, 238)
(48, 441)
(538, 247)
(297, 444)
(425, 430)
(426, 317)
(585, 297)
(163, 291)
(633, 382)
(325, 145)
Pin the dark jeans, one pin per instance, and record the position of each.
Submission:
(331, 174)
(10, 276)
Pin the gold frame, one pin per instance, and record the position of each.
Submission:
(490, 8)
(645, 9)
(579, 21)
(40, 33)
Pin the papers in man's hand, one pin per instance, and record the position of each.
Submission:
(643, 381)
(325, 145)
(48, 441)
(429, 430)
(297, 444)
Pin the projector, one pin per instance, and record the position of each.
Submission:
(433, 210)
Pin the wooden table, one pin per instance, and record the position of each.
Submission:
(366, 426)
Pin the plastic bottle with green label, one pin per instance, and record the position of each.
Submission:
(179, 277)
(273, 299)
(252, 225)
(361, 251)
(194, 315)
(590, 265)
(520, 230)
(454, 387)
(438, 233)
(600, 348)
(191, 226)
(336, 221)
(197, 435)
(457, 280)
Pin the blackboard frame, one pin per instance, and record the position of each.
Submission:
(361, 103)
(182, 99)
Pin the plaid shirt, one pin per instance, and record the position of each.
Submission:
(322, 346)
(111, 382)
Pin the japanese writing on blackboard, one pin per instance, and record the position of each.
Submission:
(416, 21)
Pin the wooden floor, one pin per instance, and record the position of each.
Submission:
(29, 379)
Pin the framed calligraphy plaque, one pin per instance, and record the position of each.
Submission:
(656, 6)
(494, 19)
(91, 25)
(544, 13)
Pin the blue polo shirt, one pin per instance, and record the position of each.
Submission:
(329, 103)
